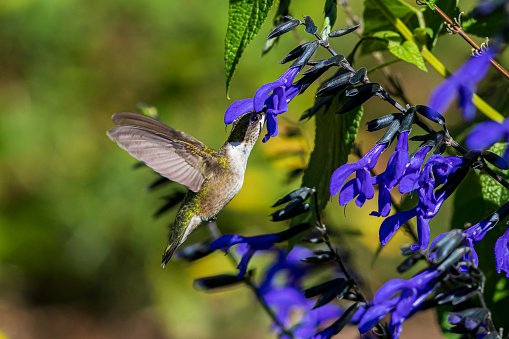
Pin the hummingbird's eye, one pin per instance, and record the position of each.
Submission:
(254, 118)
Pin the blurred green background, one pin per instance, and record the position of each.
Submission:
(79, 248)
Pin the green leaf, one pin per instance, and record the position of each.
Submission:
(375, 21)
(245, 18)
(334, 137)
(409, 52)
(486, 26)
(379, 41)
(493, 193)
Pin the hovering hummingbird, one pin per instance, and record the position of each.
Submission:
(213, 178)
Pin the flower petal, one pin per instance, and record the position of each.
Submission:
(441, 97)
(484, 134)
(391, 224)
(237, 109)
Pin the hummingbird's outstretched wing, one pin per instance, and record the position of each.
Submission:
(173, 154)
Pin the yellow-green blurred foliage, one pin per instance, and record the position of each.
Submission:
(79, 249)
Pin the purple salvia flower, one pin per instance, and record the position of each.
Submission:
(502, 253)
(462, 84)
(487, 133)
(274, 97)
(259, 242)
(409, 179)
(392, 175)
(435, 172)
(362, 185)
(413, 292)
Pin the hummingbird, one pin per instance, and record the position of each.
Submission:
(213, 177)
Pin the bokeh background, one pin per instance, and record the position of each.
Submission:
(79, 247)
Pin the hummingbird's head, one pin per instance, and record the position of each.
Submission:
(247, 128)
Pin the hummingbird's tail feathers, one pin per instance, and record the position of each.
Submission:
(168, 254)
(170, 250)
(179, 232)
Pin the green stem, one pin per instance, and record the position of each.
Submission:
(483, 106)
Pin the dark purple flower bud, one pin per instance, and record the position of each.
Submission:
(301, 194)
(216, 281)
(297, 51)
(430, 114)
(308, 52)
(495, 160)
(359, 96)
(195, 251)
(470, 318)
(321, 66)
(339, 324)
(310, 25)
(340, 32)
(391, 133)
(335, 84)
(407, 121)
(359, 76)
(382, 122)
(284, 28)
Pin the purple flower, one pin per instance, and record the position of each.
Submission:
(435, 172)
(502, 253)
(392, 175)
(281, 290)
(253, 244)
(412, 293)
(275, 96)
(362, 185)
(259, 242)
(461, 84)
(408, 181)
(487, 133)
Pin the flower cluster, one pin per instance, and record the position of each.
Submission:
(402, 170)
